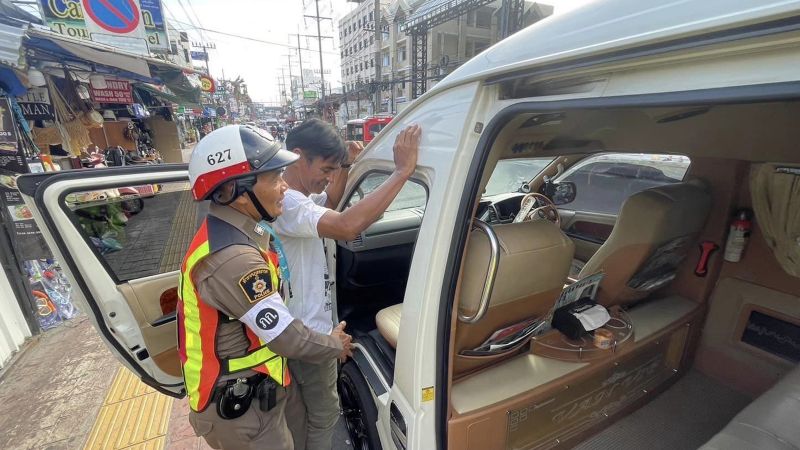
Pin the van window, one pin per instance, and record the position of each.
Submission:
(604, 182)
(412, 195)
(137, 231)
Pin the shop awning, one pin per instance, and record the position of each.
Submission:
(58, 48)
(11, 44)
(152, 90)
(109, 60)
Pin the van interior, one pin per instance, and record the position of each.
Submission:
(654, 192)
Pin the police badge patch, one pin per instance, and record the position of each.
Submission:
(257, 285)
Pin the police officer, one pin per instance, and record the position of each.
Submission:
(235, 332)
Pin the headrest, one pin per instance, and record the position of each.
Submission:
(535, 257)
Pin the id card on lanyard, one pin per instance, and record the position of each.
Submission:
(284, 264)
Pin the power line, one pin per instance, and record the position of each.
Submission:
(248, 38)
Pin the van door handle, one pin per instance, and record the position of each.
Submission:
(398, 426)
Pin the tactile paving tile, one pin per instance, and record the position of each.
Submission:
(133, 416)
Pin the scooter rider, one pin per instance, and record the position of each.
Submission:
(235, 332)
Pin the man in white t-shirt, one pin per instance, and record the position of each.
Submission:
(316, 184)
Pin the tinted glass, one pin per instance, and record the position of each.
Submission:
(138, 231)
(603, 182)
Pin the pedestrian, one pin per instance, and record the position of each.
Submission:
(316, 184)
(234, 331)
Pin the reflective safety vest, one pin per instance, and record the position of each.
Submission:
(198, 322)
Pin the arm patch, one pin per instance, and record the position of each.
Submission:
(257, 285)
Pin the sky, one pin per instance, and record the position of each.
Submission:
(270, 26)
(259, 64)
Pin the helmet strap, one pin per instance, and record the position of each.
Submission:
(259, 207)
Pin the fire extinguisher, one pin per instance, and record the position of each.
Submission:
(738, 236)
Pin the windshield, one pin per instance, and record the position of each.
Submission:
(510, 174)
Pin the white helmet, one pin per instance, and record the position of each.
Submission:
(234, 152)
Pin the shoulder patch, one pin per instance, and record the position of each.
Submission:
(257, 285)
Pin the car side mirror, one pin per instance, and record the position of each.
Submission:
(565, 192)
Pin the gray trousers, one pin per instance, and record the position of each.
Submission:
(316, 386)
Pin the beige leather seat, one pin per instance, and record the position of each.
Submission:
(769, 423)
(534, 262)
(654, 230)
(388, 321)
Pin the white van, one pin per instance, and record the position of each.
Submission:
(649, 125)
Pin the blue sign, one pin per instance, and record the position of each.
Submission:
(157, 38)
(202, 56)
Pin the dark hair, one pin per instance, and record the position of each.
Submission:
(317, 139)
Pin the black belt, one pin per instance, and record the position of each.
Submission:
(233, 397)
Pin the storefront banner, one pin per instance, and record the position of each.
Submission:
(35, 105)
(8, 131)
(116, 91)
(67, 17)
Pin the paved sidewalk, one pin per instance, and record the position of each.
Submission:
(50, 395)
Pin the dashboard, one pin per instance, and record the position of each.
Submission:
(501, 208)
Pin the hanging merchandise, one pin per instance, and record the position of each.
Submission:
(738, 236)
(52, 301)
(74, 135)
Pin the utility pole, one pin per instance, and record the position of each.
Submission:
(205, 46)
(302, 82)
(291, 86)
(378, 61)
(320, 37)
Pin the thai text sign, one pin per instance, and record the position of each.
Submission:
(116, 91)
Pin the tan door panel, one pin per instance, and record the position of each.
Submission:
(723, 352)
(144, 296)
(587, 230)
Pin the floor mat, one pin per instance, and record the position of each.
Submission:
(684, 417)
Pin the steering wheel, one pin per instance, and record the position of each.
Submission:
(529, 211)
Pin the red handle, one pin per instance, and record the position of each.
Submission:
(706, 249)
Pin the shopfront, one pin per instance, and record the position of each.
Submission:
(67, 105)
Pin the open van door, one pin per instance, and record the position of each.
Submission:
(120, 235)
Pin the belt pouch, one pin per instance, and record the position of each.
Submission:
(235, 400)
(267, 394)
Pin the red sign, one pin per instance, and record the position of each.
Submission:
(207, 84)
(116, 91)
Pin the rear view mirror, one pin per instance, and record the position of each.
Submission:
(565, 192)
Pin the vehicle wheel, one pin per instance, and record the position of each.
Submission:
(133, 206)
(358, 410)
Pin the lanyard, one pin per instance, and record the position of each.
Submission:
(284, 264)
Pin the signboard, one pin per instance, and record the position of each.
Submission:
(67, 17)
(116, 91)
(8, 130)
(202, 56)
(310, 95)
(116, 22)
(155, 26)
(35, 105)
(207, 84)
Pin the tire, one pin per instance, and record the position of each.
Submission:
(358, 409)
(133, 206)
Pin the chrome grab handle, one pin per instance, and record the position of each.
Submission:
(494, 260)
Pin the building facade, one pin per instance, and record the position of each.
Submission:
(388, 88)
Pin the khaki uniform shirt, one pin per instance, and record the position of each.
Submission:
(217, 278)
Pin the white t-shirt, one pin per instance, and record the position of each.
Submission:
(297, 229)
